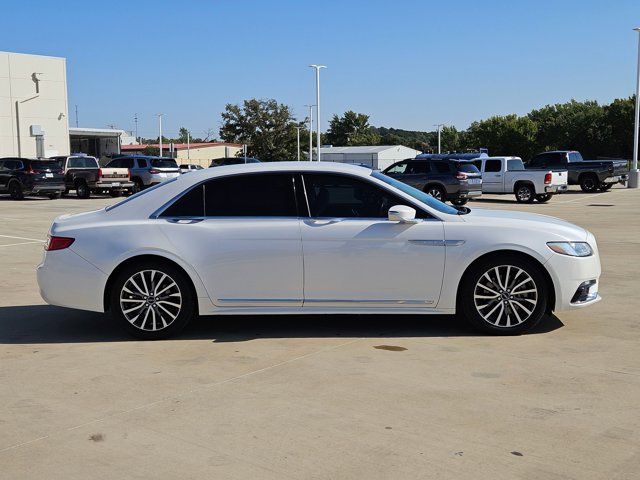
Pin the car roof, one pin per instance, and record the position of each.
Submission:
(306, 166)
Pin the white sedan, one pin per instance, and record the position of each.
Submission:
(292, 238)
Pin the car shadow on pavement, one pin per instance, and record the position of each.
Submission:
(35, 324)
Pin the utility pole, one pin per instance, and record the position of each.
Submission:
(135, 120)
(310, 132)
(439, 125)
(298, 135)
(318, 143)
(76, 116)
(188, 145)
(634, 174)
(160, 128)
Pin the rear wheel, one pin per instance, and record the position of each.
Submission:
(152, 300)
(82, 190)
(436, 192)
(543, 197)
(137, 185)
(15, 190)
(589, 183)
(504, 295)
(525, 193)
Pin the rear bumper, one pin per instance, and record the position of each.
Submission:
(468, 194)
(555, 188)
(45, 188)
(115, 185)
(616, 179)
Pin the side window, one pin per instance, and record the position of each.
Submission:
(340, 196)
(259, 195)
(540, 161)
(398, 168)
(191, 204)
(142, 163)
(442, 167)
(127, 163)
(557, 159)
(2, 165)
(417, 167)
(478, 164)
(493, 166)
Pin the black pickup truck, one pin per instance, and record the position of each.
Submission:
(591, 175)
(83, 174)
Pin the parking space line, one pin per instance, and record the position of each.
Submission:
(183, 394)
(22, 243)
(23, 238)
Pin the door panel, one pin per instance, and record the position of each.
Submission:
(372, 261)
(492, 176)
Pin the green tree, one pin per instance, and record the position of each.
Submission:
(505, 135)
(351, 129)
(265, 126)
(617, 130)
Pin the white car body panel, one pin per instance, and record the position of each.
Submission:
(504, 181)
(304, 265)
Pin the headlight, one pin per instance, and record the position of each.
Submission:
(573, 249)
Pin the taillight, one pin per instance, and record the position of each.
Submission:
(58, 243)
(153, 171)
(461, 176)
(30, 170)
(99, 173)
(547, 178)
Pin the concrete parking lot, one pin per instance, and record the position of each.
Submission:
(323, 397)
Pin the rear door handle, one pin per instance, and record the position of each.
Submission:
(184, 221)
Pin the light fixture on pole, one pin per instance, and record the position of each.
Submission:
(310, 131)
(634, 174)
(439, 125)
(298, 138)
(317, 68)
(160, 129)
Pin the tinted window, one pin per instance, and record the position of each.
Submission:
(142, 162)
(347, 197)
(163, 163)
(398, 168)
(191, 204)
(114, 164)
(556, 159)
(478, 164)
(82, 162)
(515, 165)
(441, 167)
(493, 166)
(38, 165)
(467, 167)
(261, 195)
(417, 167)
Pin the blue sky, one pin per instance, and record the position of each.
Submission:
(406, 63)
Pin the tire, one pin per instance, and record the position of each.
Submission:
(525, 193)
(15, 190)
(54, 196)
(436, 192)
(543, 197)
(115, 193)
(589, 183)
(459, 202)
(491, 304)
(82, 190)
(605, 187)
(175, 308)
(137, 185)
(66, 192)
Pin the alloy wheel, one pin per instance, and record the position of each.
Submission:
(505, 296)
(150, 300)
(435, 193)
(524, 194)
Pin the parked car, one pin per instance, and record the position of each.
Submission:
(310, 237)
(21, 177)
(591, 175)
(508, 175)
(83, 174)
(447, 180)
(221, 162)
(146, 171)
(189, 167)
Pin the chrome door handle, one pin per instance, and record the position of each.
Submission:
(184, 221)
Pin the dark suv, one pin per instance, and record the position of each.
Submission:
(20, 177)
(444, 179)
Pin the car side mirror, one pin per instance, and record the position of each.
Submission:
(402, 214)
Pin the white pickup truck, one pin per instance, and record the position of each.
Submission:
(508, 175)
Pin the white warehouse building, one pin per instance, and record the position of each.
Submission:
(33, 106)
(377, 157)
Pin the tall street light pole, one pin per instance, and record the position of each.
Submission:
(318, 67)
(634, 174)
(160, 129)
(439, 125)
(310, 132)
(298, 135)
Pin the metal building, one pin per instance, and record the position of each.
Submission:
(377, 157)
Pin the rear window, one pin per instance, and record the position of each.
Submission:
(467, 167)
(163, 163)
(515, 165)
(82, 162)
(45, 165)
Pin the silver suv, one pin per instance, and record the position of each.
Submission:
(146, 171)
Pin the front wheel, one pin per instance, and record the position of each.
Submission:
(543, 197)
(503, 295)
(152, 300)
(525, 194)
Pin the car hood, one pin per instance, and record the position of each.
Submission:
(526, 221)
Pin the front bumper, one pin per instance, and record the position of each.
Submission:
(68, 280)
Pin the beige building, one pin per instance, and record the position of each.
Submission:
(33, 106)
(195, 153)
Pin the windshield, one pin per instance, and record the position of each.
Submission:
(163, 163)
(140, 193)
(417, 194)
